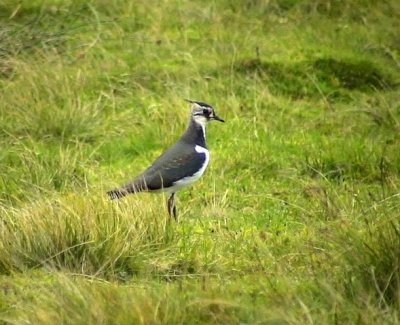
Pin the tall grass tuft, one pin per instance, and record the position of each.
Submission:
(373, 262)
(82, 234)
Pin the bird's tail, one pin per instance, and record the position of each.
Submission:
(117, 193)
(133, 187)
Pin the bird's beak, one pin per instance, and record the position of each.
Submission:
(217, 118)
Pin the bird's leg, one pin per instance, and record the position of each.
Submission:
(171, 206)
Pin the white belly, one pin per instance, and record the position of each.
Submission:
(184, 182)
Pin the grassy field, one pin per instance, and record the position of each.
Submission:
(297, 219)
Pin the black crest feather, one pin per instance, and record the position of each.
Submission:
(202, 104)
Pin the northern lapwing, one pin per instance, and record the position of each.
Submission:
(179, 166)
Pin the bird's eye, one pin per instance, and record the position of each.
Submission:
(206, 112)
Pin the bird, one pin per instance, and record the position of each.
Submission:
(179, 166)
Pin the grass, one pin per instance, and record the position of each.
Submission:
(295, 222)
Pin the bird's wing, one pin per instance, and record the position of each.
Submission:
(170, 167)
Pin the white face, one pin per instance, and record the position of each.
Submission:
(202, 114)
(202, 120)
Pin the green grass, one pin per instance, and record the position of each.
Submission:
(295, 222)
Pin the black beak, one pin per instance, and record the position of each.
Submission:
(217, 118)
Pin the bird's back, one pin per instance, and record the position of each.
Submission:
(179, 162)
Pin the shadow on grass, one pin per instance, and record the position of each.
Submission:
(323, 76)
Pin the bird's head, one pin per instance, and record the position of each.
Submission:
(203, 113)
